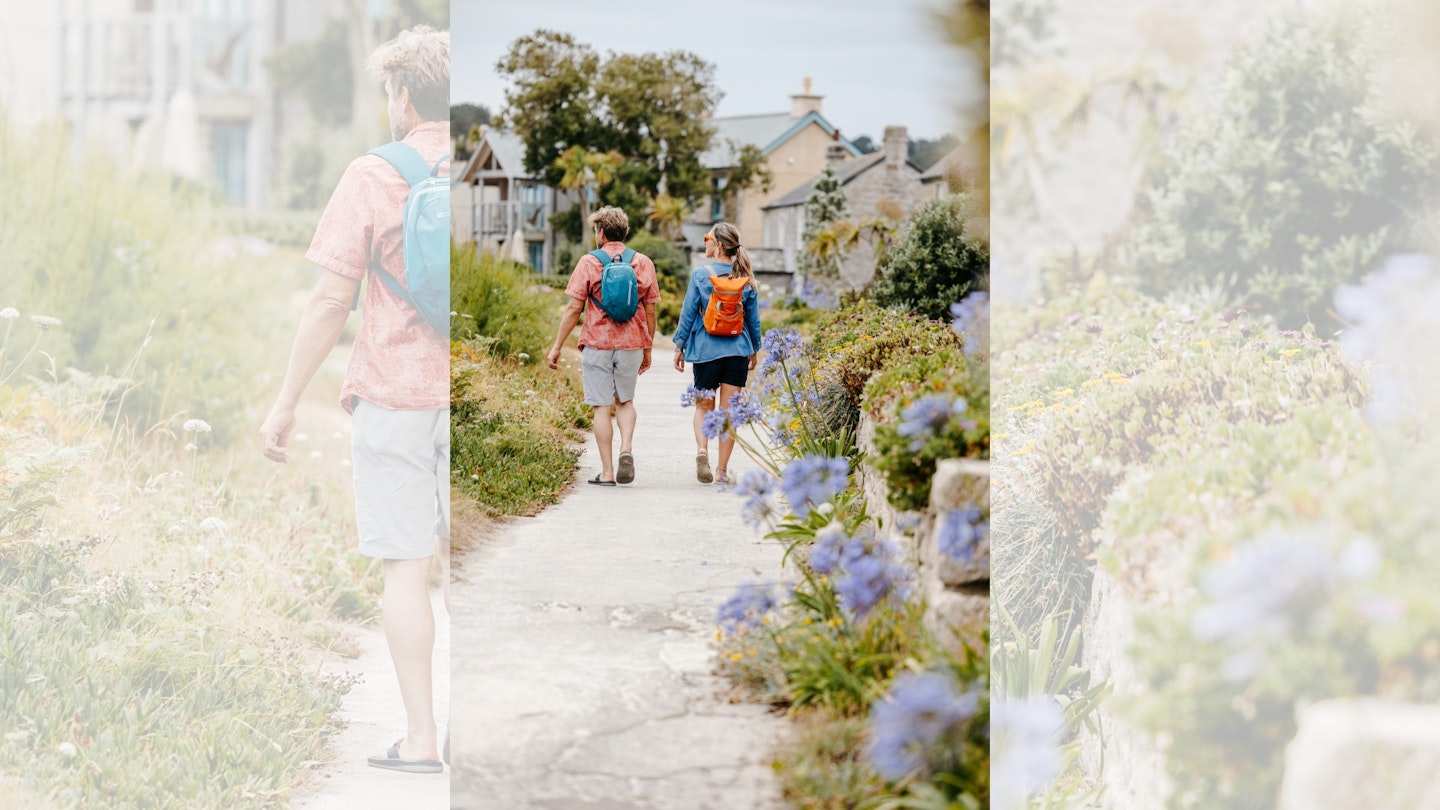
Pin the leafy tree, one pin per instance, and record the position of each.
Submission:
(866, 145)
(936, 262)
(650, 108)
(552, 103)
(656, 107)
(926, 153)
(1294, 183)
(823, 208)
(465, 123)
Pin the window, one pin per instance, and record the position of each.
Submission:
(227, 148)
(537, 256)
(717, 202)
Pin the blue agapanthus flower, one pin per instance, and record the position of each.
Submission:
(872, 573)
(960, 533)
(745, 408)
(759, 489)
(716, 423)
(780, 346)
(927, 416)
(810, 481)
(693, 394)
(972, 322)
(829, 543)
(918, 722)
(747, 607)
(1025, 745)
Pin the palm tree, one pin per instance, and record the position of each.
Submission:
(832, 242)
(668, 214)
(585, 170)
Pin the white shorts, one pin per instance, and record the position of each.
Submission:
(401, 461)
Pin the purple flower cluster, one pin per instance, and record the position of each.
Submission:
(1271, 587)
(870, 575)
(1389, 314)
(1025, 738)
(744, 409)
(693, 395)
(759, 489)
(917, 722)
(868, 570)
(927, 416)
(780, 346)
(747, 607)
(960, 532)
(716, 423)
(810, 481)
(972, 322)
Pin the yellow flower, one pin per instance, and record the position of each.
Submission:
(1204, 344)
(1062, 393)
(998, 436)
(1026, 449)
(1090, 383)
(1290, 352)
(1115, 375)
(735, 657)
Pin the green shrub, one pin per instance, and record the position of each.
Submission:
(936, 262)
(495, 298)
(143, 285)
(854, 343)
(1295, 182)
(513, 430)
(908, 462)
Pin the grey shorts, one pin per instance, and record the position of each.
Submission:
(609, 374)
(401, 461)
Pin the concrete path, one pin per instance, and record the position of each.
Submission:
(582, 658)
(374, 719)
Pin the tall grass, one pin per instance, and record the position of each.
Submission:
(164, 591)
(498, 299)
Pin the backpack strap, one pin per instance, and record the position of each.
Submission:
(406, 160)
(414, 169)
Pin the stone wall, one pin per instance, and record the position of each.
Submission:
(956, 594)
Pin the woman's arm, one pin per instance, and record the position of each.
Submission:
(752, 319)
(687, 312)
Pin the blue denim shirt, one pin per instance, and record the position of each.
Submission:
(701, 346)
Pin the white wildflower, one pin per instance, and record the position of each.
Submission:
(213, 525)
(191, 447)
(45, 321)
(316, 454)
(66, 749)
(9, 313)
(197, 426)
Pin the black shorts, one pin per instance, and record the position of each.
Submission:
(728, 370)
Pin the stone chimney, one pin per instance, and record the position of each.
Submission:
(897, 147)
(801, 104)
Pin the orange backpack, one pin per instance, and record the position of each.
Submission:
(725, 314)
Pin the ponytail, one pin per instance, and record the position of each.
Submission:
(727, 236)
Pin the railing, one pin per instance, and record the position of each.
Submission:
(500, 219)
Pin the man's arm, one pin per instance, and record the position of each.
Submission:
(320, 326)
(652, 315)
(568, 322)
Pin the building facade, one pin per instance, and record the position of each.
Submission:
(496, 205)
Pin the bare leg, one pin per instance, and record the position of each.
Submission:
(702, 407)
(727, 441)
(442, 551)
(625, 416)
(410, 631)
(604, 442)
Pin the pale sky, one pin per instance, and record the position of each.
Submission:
(876, 62)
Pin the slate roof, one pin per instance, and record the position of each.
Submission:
(846, 170)
(508, 149)
(953, 160)
(767, 132)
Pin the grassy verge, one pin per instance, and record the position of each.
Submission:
(514, 423)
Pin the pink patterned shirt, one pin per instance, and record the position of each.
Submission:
(398, 362)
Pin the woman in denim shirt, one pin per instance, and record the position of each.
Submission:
(719, 363)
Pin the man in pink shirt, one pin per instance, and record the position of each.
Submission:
(397, 384)
(612, 353)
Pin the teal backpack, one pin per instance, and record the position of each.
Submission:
(427, 236)
(619, 290)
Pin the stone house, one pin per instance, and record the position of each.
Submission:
(794, 144)
(498, 206)
(949, 175)
(883, 183)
